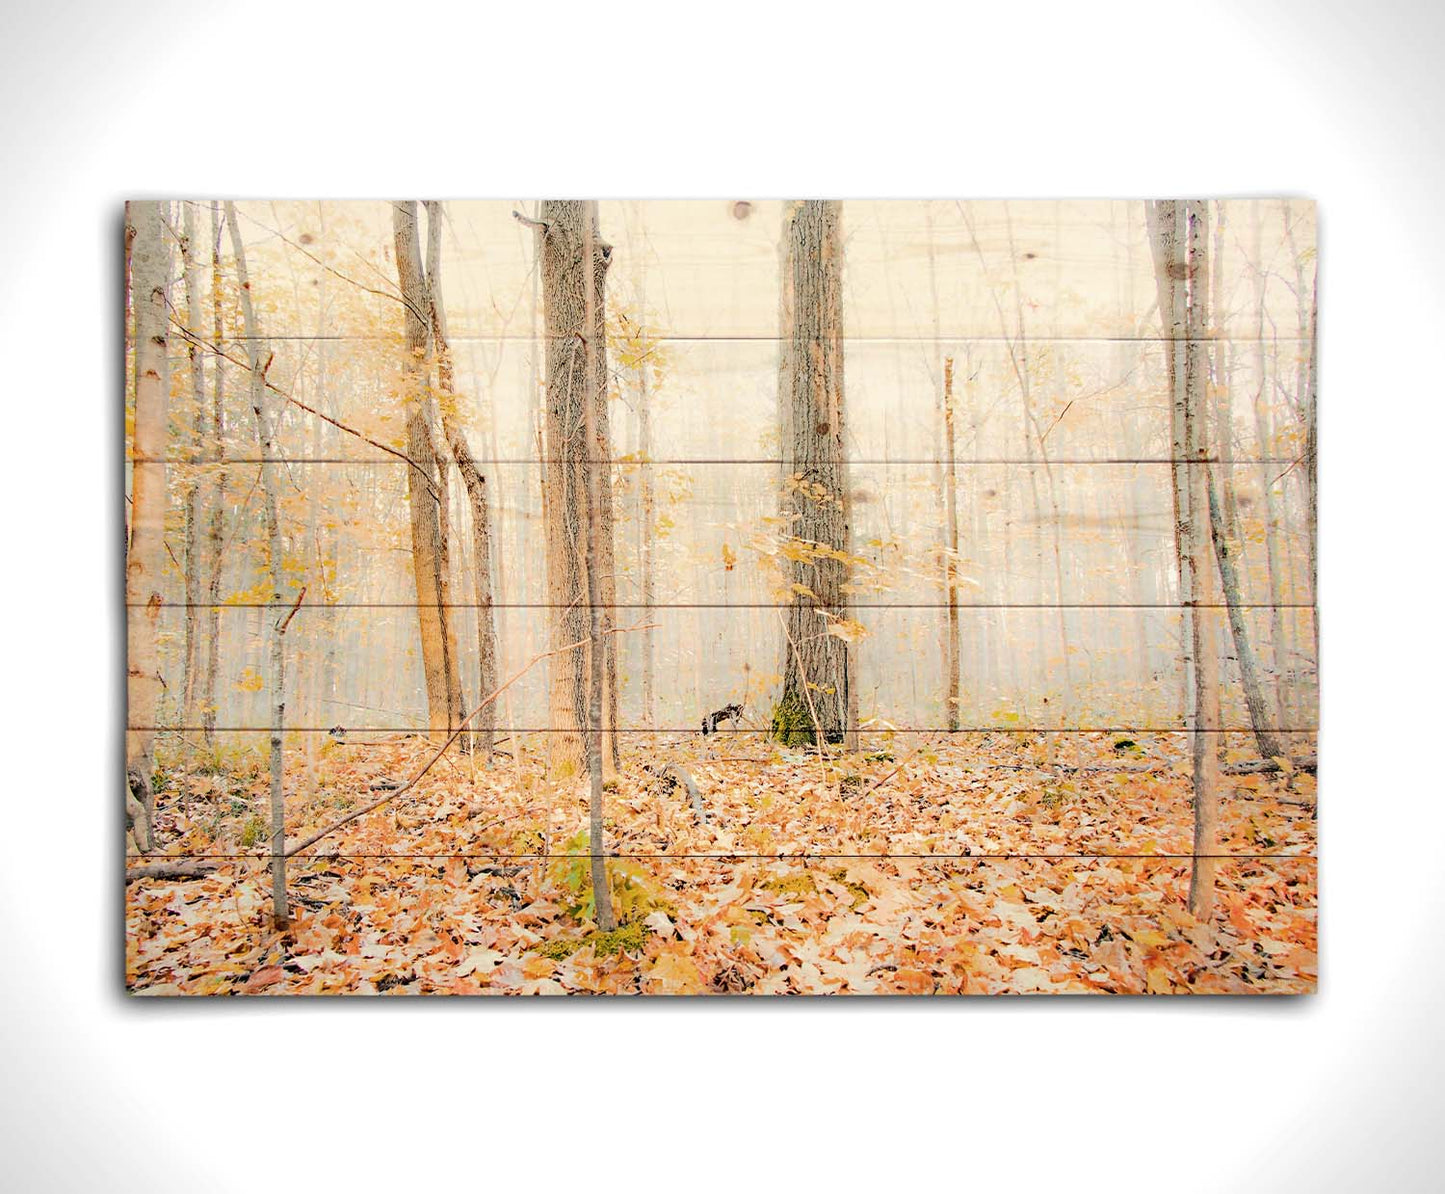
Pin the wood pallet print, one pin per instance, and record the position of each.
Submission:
(721, 597)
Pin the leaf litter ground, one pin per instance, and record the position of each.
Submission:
(988, 863)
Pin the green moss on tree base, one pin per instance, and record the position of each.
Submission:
(791, 723)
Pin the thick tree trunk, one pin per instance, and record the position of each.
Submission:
(818, 691)
(425, 487)
(574, 263)
(149, 271)
(475, 484)
(258, 358)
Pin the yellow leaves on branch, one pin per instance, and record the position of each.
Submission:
(847, 629)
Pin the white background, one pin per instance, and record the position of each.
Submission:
(1340, 102)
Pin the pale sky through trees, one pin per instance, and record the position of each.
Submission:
(702, 283)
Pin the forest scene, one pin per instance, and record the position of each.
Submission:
(721, 597)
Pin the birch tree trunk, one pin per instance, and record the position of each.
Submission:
(425, 487)
(192, 275)
(215, 531)
(149, 271)
(484, 724)
(258, 359)
(818, 698)
(574, 263)
(1202, 629)
(1177, 236)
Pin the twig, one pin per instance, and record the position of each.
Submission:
(310, 410)
(1057, 421)
(455, 734)
(300, 597)
(918, 750)
(395, 298)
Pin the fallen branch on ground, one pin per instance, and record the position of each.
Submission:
(918, 750)
(1265, 766)
(195, 869)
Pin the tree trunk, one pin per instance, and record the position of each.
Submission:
(817, 697)
(1312, 514)
(426, 487)
(647, 532)
(1177, 236)
(574, 264)
(1264, 736)
(1224, 520)
(258, 358)
(1206, 671)
(1308, 317)
(149, 271)
(1264, 435)
(598, 658)
(215, 531)
(191, 656)
(484, 725)
(950, 490)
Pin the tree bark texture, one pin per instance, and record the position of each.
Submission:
(258, 358)
(816, 668)
(425, 492)
(149, 273)
(1177, 236)
(574, 261)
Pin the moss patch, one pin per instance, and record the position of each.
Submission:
(254, 831)
(628, 938)
(861, 895)
(797, 885)
(790, 724)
